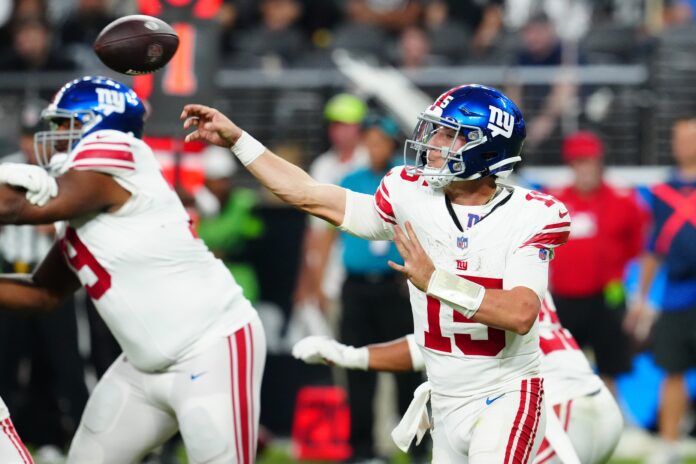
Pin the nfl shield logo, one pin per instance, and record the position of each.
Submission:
(544, 254)
(462, 242)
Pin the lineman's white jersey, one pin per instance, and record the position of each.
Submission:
(504, 244)
(158, 288)
(564, 366)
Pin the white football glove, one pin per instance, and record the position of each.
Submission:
(40, 186)
(318, 349)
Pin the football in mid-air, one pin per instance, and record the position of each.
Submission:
(136, 44)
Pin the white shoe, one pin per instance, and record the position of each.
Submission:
(664, 453)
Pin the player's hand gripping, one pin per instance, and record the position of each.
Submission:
(211, 126)
(418, 266)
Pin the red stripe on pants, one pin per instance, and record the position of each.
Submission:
(11, 432)
(243, 393)
(537, 389)
(518, 417)
(233, 390)
(252, 417)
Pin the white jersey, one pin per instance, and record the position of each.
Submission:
(160, 291)
(564, 366)
(503, 244)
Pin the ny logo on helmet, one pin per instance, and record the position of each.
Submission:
(500, 122)
(110, 101)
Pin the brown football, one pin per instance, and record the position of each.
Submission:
(136, 44)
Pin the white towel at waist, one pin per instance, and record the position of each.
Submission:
(416, 420)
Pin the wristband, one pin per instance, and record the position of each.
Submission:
(247, 148)
(356, 358)
(463, 295)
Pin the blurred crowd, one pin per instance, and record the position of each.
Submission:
(305, 277)
(57, 35)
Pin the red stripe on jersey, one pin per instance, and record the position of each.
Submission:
(518, 417)
(557, 225)
(81, 166)
(384, 217)
(550, 238)
(382, 202)
(106, 142)
(105, 153)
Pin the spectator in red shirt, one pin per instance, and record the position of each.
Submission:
(586, 276)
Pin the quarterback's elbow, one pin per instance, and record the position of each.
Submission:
(526, 317)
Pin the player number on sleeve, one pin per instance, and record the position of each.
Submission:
(548, 200)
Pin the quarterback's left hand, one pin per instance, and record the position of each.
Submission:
(40, 186)
(418, 266)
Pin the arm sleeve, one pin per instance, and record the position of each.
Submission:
(528, 263)
(526, 267)
(362, 218)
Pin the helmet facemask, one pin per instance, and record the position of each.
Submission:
(420, 153)
(66, 129)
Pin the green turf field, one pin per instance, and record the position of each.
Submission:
(280, 456)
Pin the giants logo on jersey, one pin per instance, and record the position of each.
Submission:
(500, 122)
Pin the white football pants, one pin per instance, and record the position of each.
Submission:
(593, 423)
(502, 428)
(212, 399)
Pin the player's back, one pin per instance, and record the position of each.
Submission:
(464, 357)
(158, 288)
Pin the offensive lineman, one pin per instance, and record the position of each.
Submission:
(476, 254)
(193, 346)
(585, 409)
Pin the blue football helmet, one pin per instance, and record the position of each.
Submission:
(83, 106)
(488, 126)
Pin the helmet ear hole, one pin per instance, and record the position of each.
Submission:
(489, 155)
